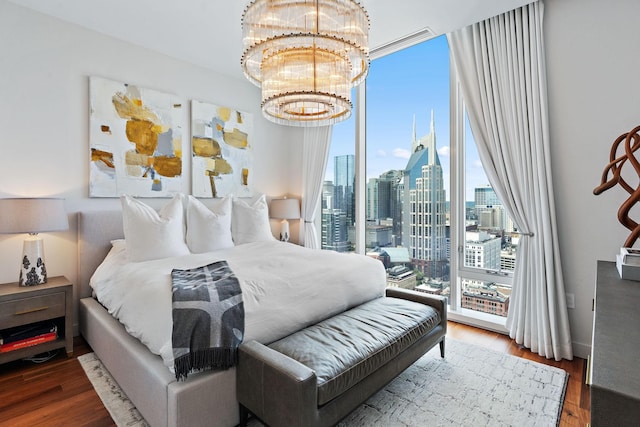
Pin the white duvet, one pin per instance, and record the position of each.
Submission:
(285, 287)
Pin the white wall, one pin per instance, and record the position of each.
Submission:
(44, 138)
(594, 96)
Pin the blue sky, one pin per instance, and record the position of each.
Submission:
(408, 83)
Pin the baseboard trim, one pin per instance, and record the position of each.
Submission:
(581, 350)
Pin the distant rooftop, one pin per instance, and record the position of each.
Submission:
(400, 254)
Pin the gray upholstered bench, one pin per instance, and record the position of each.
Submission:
(317, 376)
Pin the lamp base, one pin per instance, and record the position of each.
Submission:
(284, 230)
(33, 271)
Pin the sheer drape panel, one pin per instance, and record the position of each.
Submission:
(314, 162)
(501, 68)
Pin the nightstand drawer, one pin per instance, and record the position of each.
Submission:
(33, 309)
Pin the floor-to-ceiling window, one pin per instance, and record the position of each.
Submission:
(429, 212)
(488, 241)
(407, 166)
(339, 189)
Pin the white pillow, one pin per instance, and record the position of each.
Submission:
(208, 229)
(150, 234)
(250, 222)
(118, 245)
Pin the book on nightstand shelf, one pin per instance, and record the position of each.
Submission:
(628, 264)
(27, 336)
(28, 342)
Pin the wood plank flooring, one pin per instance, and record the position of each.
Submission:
(53, 393)
(57, 392)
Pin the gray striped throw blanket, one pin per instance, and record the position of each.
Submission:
(208, 318)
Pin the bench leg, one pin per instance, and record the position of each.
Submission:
(442, 348)
(244, 415)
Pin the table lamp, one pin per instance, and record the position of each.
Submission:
(32, 216)
(285, 209)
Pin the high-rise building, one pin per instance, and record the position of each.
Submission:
(334, 234)
(382, 195)
(424, 207)
(327, 195)
(395, 202)
(378, 235)
(482, 250)
(397, 212)
(334, 230)
(486, 196)
(378, 198)
(344, 173)
(489, 209)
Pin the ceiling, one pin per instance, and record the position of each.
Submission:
(207, 32)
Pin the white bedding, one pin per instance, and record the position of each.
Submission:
(285, 287)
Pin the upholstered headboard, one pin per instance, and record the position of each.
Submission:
(96, 230)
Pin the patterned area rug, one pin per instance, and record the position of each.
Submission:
(471, 386)
(117, 403)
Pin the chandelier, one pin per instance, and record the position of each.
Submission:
(307, 55)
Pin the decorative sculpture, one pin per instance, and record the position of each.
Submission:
(612, 176)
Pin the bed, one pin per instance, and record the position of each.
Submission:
(205, 398)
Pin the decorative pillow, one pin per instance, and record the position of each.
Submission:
(150, 234)
(119, 245)
(208, 229)
(250, 222)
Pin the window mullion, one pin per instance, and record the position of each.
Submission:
(457, 196)
(361, 168)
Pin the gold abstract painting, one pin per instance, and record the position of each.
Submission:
(135, 138)
(222, 157)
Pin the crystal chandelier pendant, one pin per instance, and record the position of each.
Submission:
(306, 56)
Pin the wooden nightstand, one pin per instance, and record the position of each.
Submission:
(24, 305)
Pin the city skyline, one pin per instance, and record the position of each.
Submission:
(404, 87)
(407, 227)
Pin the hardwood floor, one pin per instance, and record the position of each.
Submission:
(53, 393)
(57, 392)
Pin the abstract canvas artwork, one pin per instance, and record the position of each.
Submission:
(135, 137)
(222, 157)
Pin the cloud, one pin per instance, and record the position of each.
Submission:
(381, 153)
(478, 164)
(401, 153)
(444, 151)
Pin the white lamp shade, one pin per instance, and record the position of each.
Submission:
(32, 215)
(285, 209)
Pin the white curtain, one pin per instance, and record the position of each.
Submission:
(315, 153)
(501, 67)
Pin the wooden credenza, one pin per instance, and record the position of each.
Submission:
(615, 350)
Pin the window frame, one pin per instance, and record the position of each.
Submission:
(458, 271)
